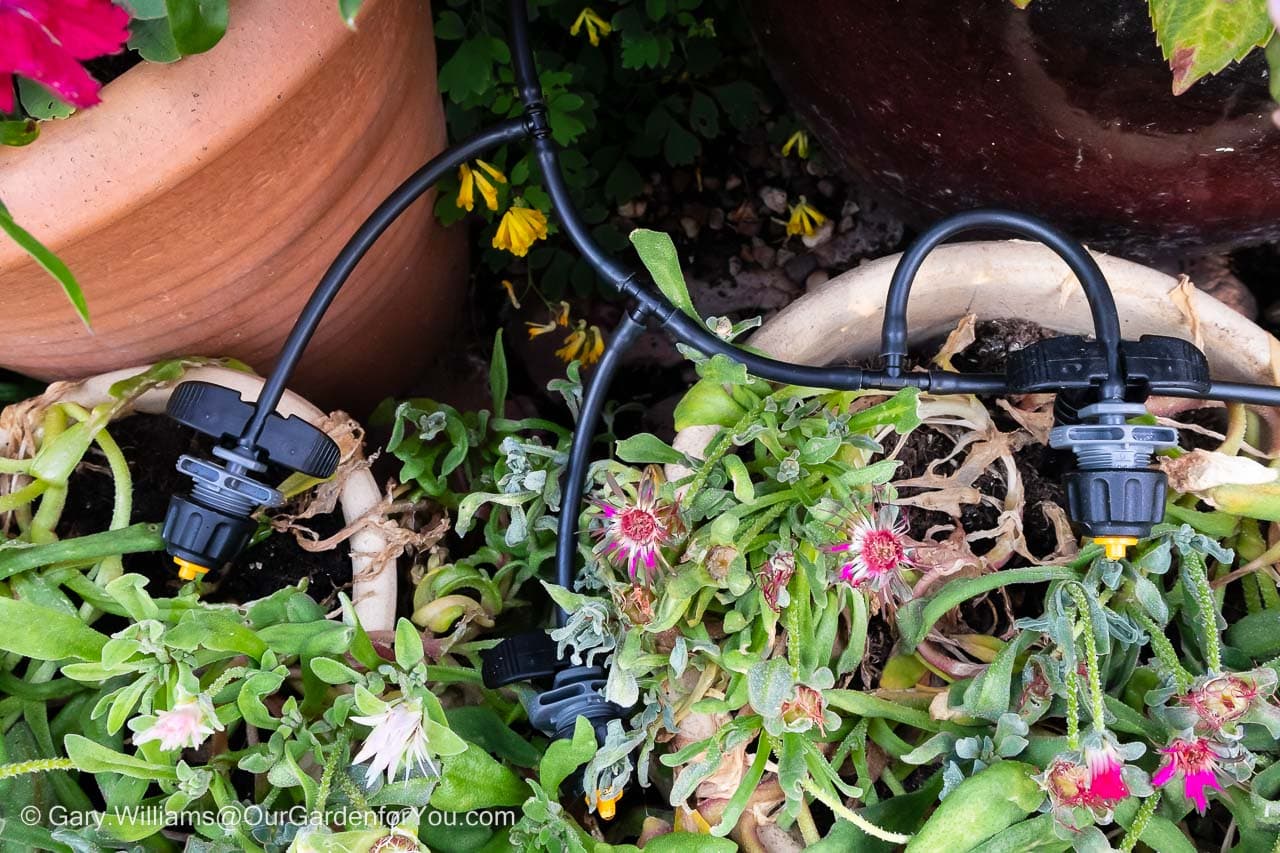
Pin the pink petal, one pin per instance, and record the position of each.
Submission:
(30, 52)
(1163, 775)
(84, 28)
(1195, 783)
(1109, 785)
(6, 93)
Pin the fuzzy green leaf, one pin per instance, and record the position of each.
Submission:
(658, 254)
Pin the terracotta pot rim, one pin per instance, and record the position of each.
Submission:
(373, 581)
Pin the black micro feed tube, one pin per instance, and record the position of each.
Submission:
(366, 235)
(1106, 320)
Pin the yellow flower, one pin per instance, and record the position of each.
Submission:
(585, 344)
(560, 319)
(536, 329)
(470, 180)
(800, 142)
(596, 25)
(510, 288)
(466, 188)
(519, 229)
(805, 219)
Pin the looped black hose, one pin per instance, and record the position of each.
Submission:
(356, 247)
(1106, 320)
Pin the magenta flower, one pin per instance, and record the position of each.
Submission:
(1084, 787)
(876, 550)
(45, 41)
(1105, 765)
(1197, 761)
(635, 532)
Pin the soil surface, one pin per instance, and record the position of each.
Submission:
(152, 445)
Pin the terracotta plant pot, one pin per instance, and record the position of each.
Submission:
(997, 280)
(373, 591)
(1064, 109)
(201, 201)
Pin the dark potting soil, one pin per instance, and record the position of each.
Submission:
(152, 445)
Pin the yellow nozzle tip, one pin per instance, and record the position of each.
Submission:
(188, 570)
(606, 803)
(1116, 546)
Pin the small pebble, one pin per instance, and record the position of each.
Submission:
(735, 266)
(690, 226)
(799, 267)
(764, 256)
(733, 182)
(774, 199)
(633, 209)
(710, 182)
(715, 219)
(826, 187)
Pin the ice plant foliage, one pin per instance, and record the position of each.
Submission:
(875, 550)
(636, 530)
(184, 726)
(397, 743)
(519, 229)
(46, 40)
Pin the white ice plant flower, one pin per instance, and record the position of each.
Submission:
(398, 741)
(184, 726)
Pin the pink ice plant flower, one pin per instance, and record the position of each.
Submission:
(184, 726)
(635, 532)
(396, 743)
(46, 40)
(1195, 760)
(1104, 763)
(875, 550)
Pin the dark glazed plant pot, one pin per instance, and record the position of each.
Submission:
(1064, 110)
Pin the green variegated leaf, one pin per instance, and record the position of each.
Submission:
(1202, 37)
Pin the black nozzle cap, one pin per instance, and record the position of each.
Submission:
(1116, 502)
(204, 535)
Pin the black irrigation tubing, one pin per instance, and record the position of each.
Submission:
(649, 305)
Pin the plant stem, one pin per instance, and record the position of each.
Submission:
(843, 812)
(1237, 423)
(1196, 581)
(37, 765)
(1164, 651)
(1140, 821)
(808, 829)
(23, 496)
(1092, 667)
(1072, 687)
